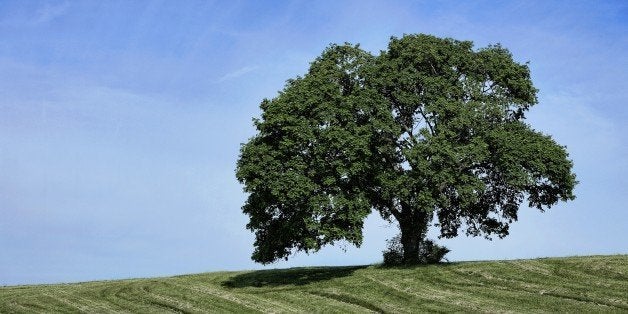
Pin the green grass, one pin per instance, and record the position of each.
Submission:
(573, 284)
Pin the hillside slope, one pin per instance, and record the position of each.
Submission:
(574, 284)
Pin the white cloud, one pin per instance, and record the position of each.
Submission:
(237, 73)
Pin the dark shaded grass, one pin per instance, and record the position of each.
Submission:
(292, 276)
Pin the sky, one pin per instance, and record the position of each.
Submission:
(121, 123)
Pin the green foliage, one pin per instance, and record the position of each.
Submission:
(429, 128)
(575, 285)
(429, 252)
(307, 168)
(393, 255)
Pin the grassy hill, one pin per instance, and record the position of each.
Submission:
(574, 284)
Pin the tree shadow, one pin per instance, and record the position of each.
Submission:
(417, 265)
(290, 276)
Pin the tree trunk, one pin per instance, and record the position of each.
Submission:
(413, 227)
(410, 239)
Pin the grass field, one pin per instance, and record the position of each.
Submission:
(574, 284)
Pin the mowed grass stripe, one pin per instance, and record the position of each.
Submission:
(557, 284)
(424, 298)
(563, 282)
(575, 284)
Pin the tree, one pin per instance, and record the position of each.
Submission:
(429, 128)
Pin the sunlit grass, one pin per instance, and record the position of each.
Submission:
(574, 284)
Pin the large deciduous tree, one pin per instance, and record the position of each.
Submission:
(429, 128)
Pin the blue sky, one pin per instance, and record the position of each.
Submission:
(121, 122)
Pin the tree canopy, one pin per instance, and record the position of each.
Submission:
(430, 127)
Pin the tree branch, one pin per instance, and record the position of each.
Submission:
(433, 68)
(394, 211)
(429, 125)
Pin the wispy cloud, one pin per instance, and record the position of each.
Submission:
(49, 12)
(42, 15)
(237, 73)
